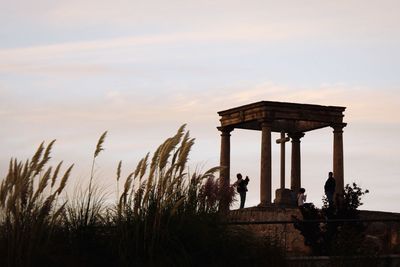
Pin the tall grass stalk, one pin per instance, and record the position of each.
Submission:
(28, 207)
(118, 176)
(99, 148)
(88, 203)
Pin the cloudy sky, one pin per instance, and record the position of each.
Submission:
(69, 70)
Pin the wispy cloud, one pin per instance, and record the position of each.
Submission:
(117, 106)
(363, 104)
(98, 55)
(243, 34)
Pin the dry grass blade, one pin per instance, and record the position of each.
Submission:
(46, 207)
(165, 151)
(44, 180)
(64, 180)
(138, 166)
(36, 157)
(170, 145)
(99, 146)
(143, 166)
(184, 154)
(55, 174)
(127, 185)
(25, 177)
(210, 173)
(169, 190)
(118, 176)
(12, 203)
(154, 159)
(175, 155)
(24, 185)
(119, 170)
(42, 184)
(166, 181)
(179, 203)
(45, 159)
(153, 166)
(16, 176)
(2, 194)
(59, 212)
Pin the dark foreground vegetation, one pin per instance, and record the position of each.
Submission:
(338, 231)
(164, 216)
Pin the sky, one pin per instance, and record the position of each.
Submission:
(70, 70)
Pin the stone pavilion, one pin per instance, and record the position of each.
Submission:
(291, 119)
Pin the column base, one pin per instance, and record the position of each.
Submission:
(285, 197)
(265, 205)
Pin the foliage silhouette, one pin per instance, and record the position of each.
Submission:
(327, 232)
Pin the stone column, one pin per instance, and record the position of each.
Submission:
(266, 171)
(338, 167)
(295, 176)
(225, 162)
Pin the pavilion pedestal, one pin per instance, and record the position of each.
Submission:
(284, 198)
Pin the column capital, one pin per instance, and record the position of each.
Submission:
(265, 123)
(225, 130)
(296, 136)
(338, 127)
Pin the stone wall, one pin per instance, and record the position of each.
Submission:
(285, 234)
(384, 235)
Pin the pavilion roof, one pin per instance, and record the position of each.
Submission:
(284, 116)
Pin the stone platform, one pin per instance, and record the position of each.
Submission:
(285, 234)
(383, 228)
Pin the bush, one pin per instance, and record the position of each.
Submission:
(327, 232)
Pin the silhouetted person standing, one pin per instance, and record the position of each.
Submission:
(241, 187)
(330, 186)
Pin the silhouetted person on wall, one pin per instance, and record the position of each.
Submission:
(330, 186)
(301, 197)
(241, 187)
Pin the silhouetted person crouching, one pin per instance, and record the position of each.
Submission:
(301, 197)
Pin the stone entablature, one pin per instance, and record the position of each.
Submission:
(292, 117)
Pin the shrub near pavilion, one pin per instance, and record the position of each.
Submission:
(337, 237)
